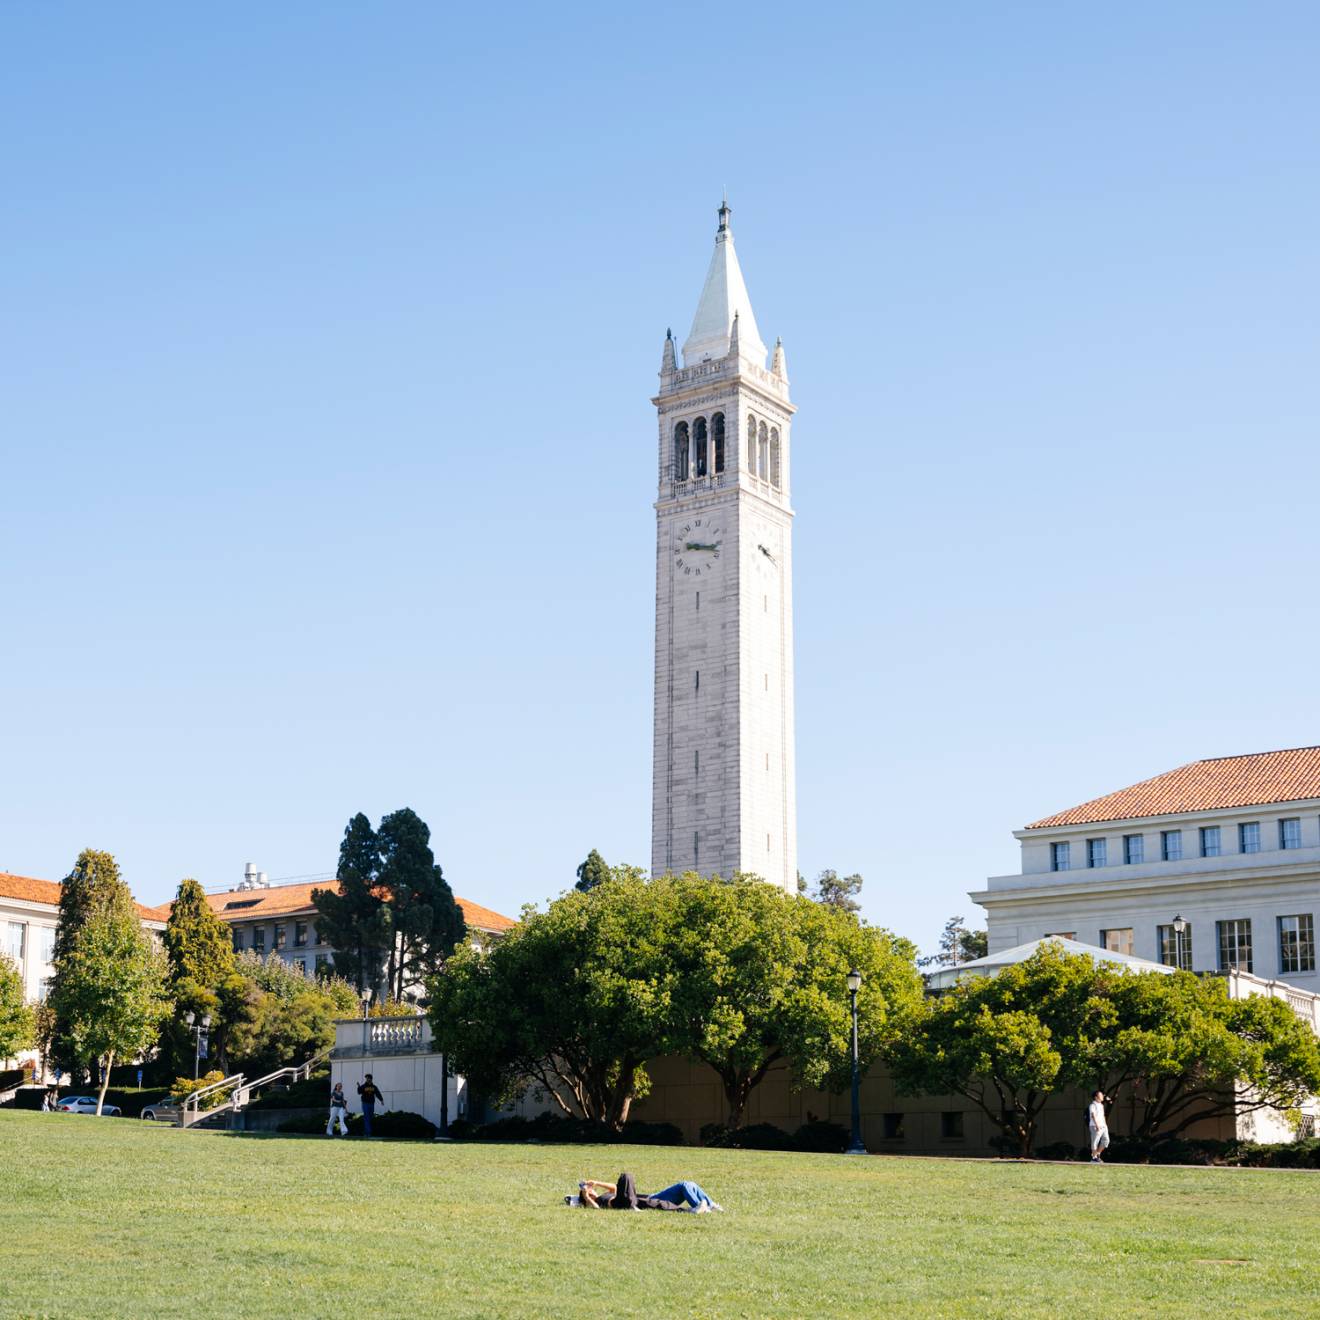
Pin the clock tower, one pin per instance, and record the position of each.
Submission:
(724, 793)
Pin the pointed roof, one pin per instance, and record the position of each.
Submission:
(1257, 780)
(723, 296)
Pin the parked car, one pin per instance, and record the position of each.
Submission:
(163, 1111)
(84, 1104)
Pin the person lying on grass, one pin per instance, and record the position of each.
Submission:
(623, 1195)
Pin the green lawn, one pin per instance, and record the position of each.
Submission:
(113, 1217)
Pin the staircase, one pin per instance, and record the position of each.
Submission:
(241, 1093)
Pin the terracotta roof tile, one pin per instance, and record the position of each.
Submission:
(1256, 780)
(30, 890)
(285, 900)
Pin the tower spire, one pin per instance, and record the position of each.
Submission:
(777, 364)
(723, 294)
(668, 362)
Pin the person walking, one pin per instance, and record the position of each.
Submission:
(369, 1094)
(338, 1111)
(1098, 1127)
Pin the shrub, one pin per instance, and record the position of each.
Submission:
(1061, 1150)
(822, 1137)
(301, 1095)
(305, 1124)
(394, 1123)
(559, 1128)
(184, 1087)
(755, 1136)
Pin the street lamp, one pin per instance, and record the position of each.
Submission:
(1179, 926)
(365, 996)
(856, 1147)
(198, 1029)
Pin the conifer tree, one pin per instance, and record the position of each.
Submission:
(353, 920)
(592, 872)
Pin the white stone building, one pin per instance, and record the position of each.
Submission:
(724, 793)
(1230, 847)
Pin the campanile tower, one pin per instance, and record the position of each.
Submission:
(724, 795)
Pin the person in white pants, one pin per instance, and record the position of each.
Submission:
(338, 1111)
(1098, 1126)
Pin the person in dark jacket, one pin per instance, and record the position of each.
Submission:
(369, 1094)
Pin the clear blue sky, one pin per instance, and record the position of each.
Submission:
(327, 336)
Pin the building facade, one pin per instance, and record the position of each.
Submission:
(724, 790)
(1214, 866)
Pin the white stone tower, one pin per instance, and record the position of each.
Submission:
(724, 796)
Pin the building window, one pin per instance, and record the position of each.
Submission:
(697, 685)
(751, 445)
(1296, 944)
(1171, 845)
(1210, 841)
(763, 452)
(238, 938)
(1117, 941)
(1290, 832)
(717, 440)
(280, 937)
(17, 942)
(43, 990)
(1176, 949)
(299, 934)
(1060, 856)
(1134, 849)
(696, 762)
(696, 849)
(46, 946)
(323, 964)
(1249, 837)
(893, 1128)
(259, 939)
(699, 446)
(951, 1125)
(1234, 945)
(774, 457)
(1096, 852)
(681, 452)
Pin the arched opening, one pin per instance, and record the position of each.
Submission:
(717, 440)
(681, 452)
(751, 445)
(774, 457)
(763, 453)
(699, 446)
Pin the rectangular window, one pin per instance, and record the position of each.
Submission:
(767, 843)
(1060, 856)
(1134, 849)
(46, 944)
(951, 1125)
(280, 936)
(299, 934)
(696, 762)
(698, 682)
(1175, 948)
(1249, 837)
(1210, 841)
(893, 1127)
(1117, 941)
(323, 964)
(767, 682)
(1290, 832)
(698, 602)
(1296, 944)
(1234, 945)
(1171, 845)
(17, 942)
(1096, 852)
(696, 849)
(259, 939)
(238, 938)
(43, 990)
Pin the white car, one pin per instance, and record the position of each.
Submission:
(84, 1104)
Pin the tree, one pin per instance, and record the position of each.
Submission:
(1182, 1051)
(1008, 1042)
(201, 973)
(836, 892)
(353, 919)
(109, 990)
(592, 872)
(573, 1000)
(17, 1023)
(761, 977)
(426, 921)
(958, 945)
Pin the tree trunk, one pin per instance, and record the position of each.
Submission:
(105, 1081)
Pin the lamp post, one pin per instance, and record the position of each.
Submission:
(198, 1030)
(856, 1147)
(365, 997)
(1179, 926)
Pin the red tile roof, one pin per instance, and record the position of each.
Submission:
(285, 900)
(1256, 780)
(29, 890)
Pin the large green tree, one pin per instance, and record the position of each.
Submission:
(1181, 1051)
(1008, 1042)
(353, 918)
(109, 988)
(958, 944)
(761, 977)
(573, 1000)
(839, 891)
(17, 1023)
(203, 977)
(592, 872)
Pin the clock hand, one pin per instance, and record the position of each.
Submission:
(767, 554)
(697, 545)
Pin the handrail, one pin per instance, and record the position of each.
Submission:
(190, 1104)
(296, 1073)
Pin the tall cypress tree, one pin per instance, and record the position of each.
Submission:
(592, 872)
(354, 920)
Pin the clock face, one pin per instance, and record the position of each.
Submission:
(698, 545)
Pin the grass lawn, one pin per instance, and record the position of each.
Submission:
(114, 1217)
